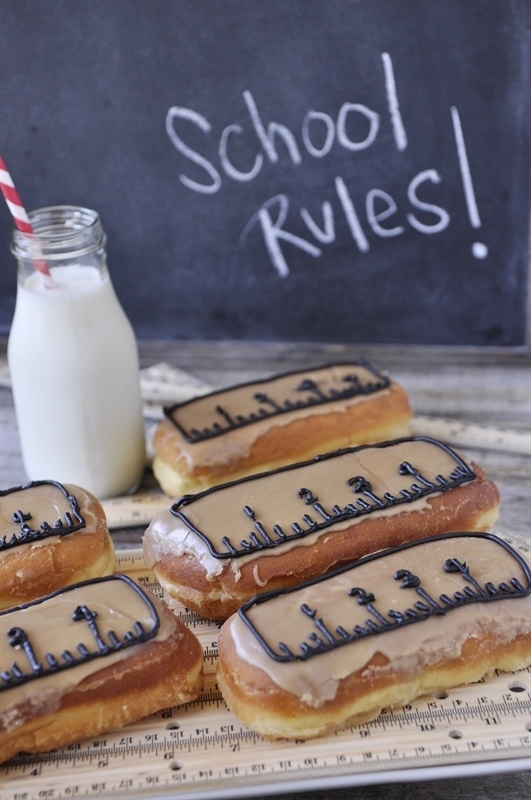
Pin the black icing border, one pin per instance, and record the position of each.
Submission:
(28, 534)
(290, 657)
(194, 436)
(267, 543)
(141, 636)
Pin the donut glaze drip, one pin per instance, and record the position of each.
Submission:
(35, 511)
(281, 511)
(443, 584)
(25, 632)
(394, 613)
(231, 409)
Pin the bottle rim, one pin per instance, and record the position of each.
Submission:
(59, 232)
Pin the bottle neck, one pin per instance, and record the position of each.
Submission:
(62, 236)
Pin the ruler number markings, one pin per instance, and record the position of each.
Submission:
(487, 720)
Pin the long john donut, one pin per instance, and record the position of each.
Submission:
(394, 625)
(216, 549)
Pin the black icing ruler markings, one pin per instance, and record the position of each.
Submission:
(202, 748)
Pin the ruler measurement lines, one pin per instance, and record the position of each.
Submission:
(96, 780)
(468, 434)
(202, 747)
(134, 510)
(138, 510)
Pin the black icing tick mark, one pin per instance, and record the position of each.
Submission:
(325, 636)
(105, 643)
(309, 394)
(367, 502)
(70, 521)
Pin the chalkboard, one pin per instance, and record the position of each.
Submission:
(284, 170)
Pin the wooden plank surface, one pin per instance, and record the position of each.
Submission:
(466, 388)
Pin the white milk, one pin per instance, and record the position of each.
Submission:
(74, 369)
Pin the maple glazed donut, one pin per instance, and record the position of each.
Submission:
(50, 535)
(216, 549)
(397, 624)
(89, 658)
(262, 425)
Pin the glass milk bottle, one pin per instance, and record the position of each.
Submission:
(73, 359)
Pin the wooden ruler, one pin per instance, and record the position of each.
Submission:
(465, 434)
(134, 510)
(200, 750)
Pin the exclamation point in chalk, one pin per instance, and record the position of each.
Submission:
(479, 249)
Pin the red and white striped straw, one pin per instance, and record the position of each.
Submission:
(18, 211)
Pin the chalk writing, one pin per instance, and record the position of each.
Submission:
(355, 128)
